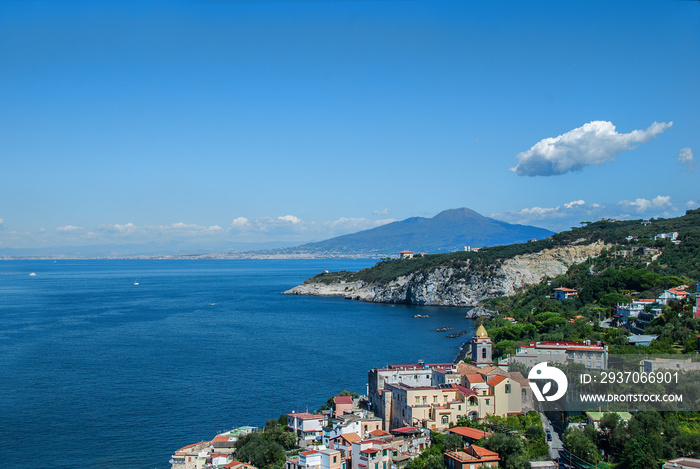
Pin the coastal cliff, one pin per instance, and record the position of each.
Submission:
(463, 284)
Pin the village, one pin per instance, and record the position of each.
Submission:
(406, 406)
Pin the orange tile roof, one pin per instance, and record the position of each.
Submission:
(482, 452)
(379, 433)
(350, 437)
(306, 453)
(469, 432)
(496, 380)
(220, 438)
(474, 378)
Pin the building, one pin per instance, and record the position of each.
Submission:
(239, 465)
(406, 254)
(187, 457)
(594, 356)
(317, 459)
(666, 364)
(593, 418)
(473, 457)
(468, 434)
(481, 347)
(565, 293)
(543, 465)
(682, 463)
(361, 423)
(342, 404)
(644, 340)
(677, 293)
(308, 427)
(420, 374)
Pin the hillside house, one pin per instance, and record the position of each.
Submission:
(562, 293)
(473, 457)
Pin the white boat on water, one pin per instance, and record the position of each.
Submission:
(32, 274)
(136, 282)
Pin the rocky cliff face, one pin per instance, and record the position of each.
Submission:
(447, 286)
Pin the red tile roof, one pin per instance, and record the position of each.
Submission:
(220, 438)
(468, 432)
(406, 430)
(379, 433)
(474, 378)
(370, 450)
(482, 452)
(496, 380)
(306, 453)
(305, 416)
(342, 399)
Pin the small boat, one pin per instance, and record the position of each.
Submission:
(32, 274)
(136, 282)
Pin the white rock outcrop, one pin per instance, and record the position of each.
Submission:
(448, 286)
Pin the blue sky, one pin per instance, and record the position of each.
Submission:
(211, 123)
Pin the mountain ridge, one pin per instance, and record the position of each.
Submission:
(448, 231)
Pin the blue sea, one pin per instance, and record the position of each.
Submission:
(98, 372)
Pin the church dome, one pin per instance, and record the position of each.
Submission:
(481, 332)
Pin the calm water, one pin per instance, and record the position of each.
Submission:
(98, 372)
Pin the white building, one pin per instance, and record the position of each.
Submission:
(593, 356)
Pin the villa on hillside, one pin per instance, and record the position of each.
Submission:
(564, 293)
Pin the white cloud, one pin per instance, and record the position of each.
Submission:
(691, 204)
(117, 229)
(575, 203)
(687, 160)
(239, 222)
(69, 228)
(644, 205)
(384, 211)
(2, 223)
(290, 218)
(594, 143)
(185, 228)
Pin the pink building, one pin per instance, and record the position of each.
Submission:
(342, 405)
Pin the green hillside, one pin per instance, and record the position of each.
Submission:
(681, 259)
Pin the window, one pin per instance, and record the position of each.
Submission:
(445, 419)
(459, 407)
(488, 401)
(472, 400)
(417, 400)
(335, 458)
(425, 400)
(507, 388)
(435, 399)
(483, 353)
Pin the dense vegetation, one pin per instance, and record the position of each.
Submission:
(646, 441)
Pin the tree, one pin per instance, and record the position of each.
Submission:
(580, 444)
(453, 442)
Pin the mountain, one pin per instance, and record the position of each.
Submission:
(448, 231)
(466, 278)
